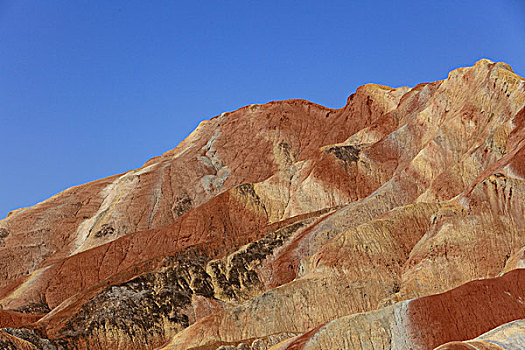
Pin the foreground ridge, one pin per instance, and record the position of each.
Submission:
(394, 222)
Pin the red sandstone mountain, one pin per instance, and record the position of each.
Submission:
(395, 222)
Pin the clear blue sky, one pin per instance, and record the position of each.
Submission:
(89, 89)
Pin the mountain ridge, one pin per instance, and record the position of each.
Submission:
(292, 210)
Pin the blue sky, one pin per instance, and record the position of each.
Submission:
(90, 89)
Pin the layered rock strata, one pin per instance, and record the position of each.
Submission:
(395, 222)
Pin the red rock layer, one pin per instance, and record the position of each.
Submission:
(468, 311)
(16, 319)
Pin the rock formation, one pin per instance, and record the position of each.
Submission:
(395, 222)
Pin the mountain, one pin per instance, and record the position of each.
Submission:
(395, 222)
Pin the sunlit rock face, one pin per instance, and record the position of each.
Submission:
(395, 222)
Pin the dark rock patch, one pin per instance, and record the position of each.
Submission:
(348, 154)
(182, 205)
(104, 231)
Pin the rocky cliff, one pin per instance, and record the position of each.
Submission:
(395, 222)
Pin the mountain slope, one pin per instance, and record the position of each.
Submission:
(276, 222)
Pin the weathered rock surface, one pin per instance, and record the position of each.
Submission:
(510, 336)
(424, 323)
(380, 225)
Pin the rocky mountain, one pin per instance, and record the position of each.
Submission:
(395, 222)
